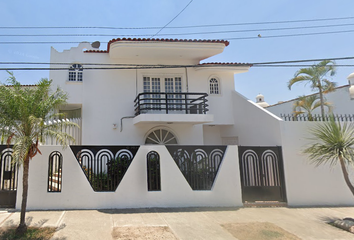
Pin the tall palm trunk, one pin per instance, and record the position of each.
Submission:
(321, 100)
(345, 174)
(22, 228)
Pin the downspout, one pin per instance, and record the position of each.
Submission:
(187, 87)
(121, 121)
(136, 81)
(136, 93)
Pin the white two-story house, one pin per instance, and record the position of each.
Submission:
(149, 91)
(161, 129)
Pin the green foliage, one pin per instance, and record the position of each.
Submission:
(333, 142)
(33, 233)
(330, 141)
(107, 181)
(316, 77)
(23, 113)
(307, 104)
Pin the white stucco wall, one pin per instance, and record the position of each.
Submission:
(132, 192)
(307, 185)
(254, 126)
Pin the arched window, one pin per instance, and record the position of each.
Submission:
(161, 136)
(55, 171)
(153, 171)
(214, 86)
(75, 73)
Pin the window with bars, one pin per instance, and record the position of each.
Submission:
(153, 171)
(75, 73)
(214, 86)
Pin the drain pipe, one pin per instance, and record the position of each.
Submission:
(121, 121)
(187, 86)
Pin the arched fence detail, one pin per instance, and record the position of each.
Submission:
(104, 166)
(198, 164)
(8, 177)
(262, 174)
(55, 167)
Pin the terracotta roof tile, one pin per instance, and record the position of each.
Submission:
(157, 40)
(225, 64)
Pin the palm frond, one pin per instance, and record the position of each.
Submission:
(331, 140)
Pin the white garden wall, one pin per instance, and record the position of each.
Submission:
(307, 185)
(132, 192)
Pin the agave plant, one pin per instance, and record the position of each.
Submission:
(331, 143)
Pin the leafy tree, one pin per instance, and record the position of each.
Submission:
(23, 113)
(307, 104)
(316, 76)
(333, 142)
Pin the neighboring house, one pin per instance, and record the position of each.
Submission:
(342, 101)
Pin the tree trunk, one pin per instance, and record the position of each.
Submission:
(345, 174)
(22, 228)
(321, 100)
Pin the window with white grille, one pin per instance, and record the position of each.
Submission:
(214, 86)
(75, 73)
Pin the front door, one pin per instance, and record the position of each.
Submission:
(262, 174)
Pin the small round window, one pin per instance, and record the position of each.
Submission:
(161, 136)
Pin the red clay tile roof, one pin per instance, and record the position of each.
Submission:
(225, 64)
(157, 40)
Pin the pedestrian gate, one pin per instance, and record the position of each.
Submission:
(8, 178)
(262, 174)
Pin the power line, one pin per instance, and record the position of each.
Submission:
(170, 34)
(157, 67)
(289, 35)
(227, 38)
(305, 60)
(190, 26)
(172, 19)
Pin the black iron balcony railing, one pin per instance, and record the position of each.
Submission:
(161, 102)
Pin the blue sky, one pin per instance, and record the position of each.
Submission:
(270, 81)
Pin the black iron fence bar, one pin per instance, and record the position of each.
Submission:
(192, 103)
(138, 109)
(166, 98)
(317, 117)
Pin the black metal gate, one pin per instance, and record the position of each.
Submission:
(262, 174)
(8, 178)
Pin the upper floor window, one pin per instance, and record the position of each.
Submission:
(75, 73)
(214, 86)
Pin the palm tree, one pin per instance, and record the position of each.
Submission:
(307, 104)
(316, 76)
(23, 113)
(333, 142)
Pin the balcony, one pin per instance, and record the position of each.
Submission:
(161, 107)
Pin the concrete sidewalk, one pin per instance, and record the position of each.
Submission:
(185, 223)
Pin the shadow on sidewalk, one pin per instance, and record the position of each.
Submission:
(165, 210)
